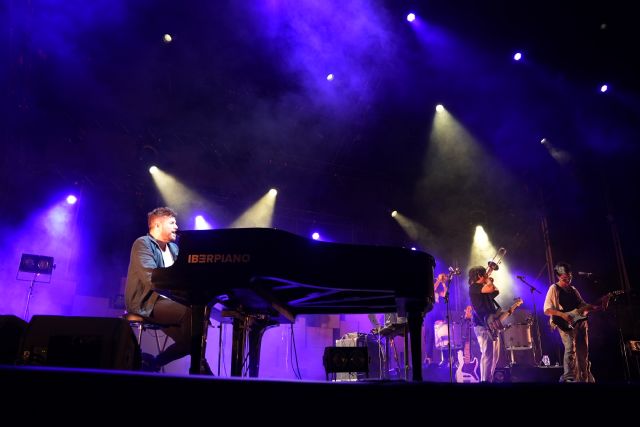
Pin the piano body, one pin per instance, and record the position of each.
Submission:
(264, 276)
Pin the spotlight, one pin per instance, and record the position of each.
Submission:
(273, 192)
(517, 56)
(330, 77)
(201, 223)
(153, 169)
(315, 236)
(604, 88)
(394, 214)
(439, 108)
(37, 264)
(71, 199)
(167, 38)
(411, 17)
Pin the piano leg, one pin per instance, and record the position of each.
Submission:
(256, 331)
(415, 326)
(252, 328)
(199, 315)
(237, 345)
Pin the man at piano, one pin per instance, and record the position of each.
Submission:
(154, 250)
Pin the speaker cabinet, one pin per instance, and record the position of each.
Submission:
(81, 342)
(12, 329)
(346, 359)
(528, 374)
(536, 374)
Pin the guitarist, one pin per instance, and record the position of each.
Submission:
(482, 293)
(562, 298)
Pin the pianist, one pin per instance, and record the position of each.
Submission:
(158, 249)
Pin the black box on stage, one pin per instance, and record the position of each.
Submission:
(528, 374)
(12, 329)
(536, 374)
(81, 342)
(359, 354)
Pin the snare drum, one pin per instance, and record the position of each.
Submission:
(518, 337)
(442, 336)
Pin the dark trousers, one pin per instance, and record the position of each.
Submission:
(177, 318)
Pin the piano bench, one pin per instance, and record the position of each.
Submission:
(141, 324)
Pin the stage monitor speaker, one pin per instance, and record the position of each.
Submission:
(81, 342)
(12, 329)
(536, 374)
(502, 375)
(345, 359)
(528, 374)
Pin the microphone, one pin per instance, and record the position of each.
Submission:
(582, 273)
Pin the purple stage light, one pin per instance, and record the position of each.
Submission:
(71, 199)
(411, 17)
(315, 235)
(201, 224)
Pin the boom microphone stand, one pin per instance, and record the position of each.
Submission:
(533, 289)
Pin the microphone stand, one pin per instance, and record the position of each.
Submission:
(533, 289)
(26, 308)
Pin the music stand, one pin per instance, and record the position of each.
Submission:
(41, 267)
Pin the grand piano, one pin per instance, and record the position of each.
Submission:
(262, 277)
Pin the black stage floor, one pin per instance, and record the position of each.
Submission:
(69, 394)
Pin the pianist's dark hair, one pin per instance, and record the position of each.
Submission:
(160, 212)
(475, 272)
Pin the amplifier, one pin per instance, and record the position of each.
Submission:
(528, 374)
(374, 354)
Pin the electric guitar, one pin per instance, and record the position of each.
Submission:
(467, 371)
(579, 315)
(493, 322)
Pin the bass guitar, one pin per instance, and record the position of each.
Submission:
(467, 371)
(579, 315)
(494, 322)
